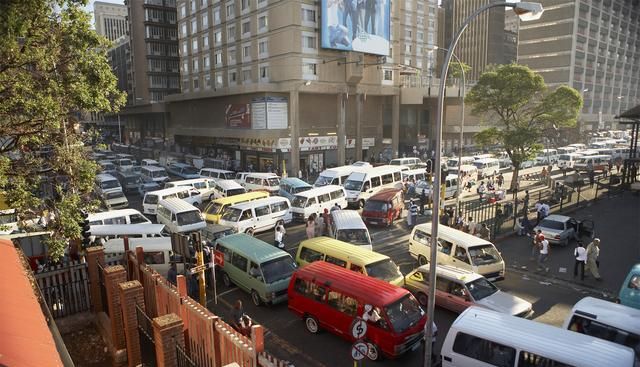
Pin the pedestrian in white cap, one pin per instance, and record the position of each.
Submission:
(593, 252)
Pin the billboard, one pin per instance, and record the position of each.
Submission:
(238, 116)
(356, 25)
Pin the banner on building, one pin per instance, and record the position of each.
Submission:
(238, 116)
(271, 112)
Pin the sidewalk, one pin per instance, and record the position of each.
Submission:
(617, 224)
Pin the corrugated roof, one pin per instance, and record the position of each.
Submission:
(25, 339)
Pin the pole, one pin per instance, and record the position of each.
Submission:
(437, 179)
(119, 131)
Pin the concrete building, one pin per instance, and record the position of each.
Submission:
(154, 64)
(258, 88)
(120, 61)
(592, 46)
(110, 20)
(486, 41)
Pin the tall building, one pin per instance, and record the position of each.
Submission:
(120, 61)
(262, 86)
(592, 46)
(486, 40)
(155, 73)
(110, 20)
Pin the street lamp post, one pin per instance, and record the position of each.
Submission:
(526, 11)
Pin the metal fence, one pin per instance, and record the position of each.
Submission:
(182, 358)
(103, 289)
(145, 335)
(65, 289)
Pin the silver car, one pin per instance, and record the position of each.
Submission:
(560, 229)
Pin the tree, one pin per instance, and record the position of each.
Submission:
(52, 65)
(517, 102)
(456, 68)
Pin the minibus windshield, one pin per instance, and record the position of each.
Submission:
(299, 202)
(356, 236)
(189, 171)
(114, 195)
(273, 181)
(375, 205)
(297, 190)
(189, 217)
(323, 181)
(231, 214)
(214, 208)
(452, 163)
(125, 162)
(404, 313)
(481, 288)
(484, 254)
(227, 176)
(278, 269)
(384, 270)
(110, 184)
(353, 185)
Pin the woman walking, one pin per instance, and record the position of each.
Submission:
(311, 226)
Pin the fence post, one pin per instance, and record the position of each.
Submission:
(167, 333)
(95, 256)
(131, 294)
(595, 196)
(113, 276)
(140, 260)
(578, 199)
(257, 339)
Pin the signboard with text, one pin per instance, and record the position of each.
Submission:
(238, 116)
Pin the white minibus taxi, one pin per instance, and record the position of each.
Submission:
(452, 163)
(316, 200)
(256, 181)
(483, 338)
(154, 173)
(110, 232)
(409, 162)
(121, 216)
(487, 167)
(258, 215)
(204, 186)
(106, 183)
(338, 175)
(157, 252)
(179, 216)
(418, 174)
(152, 198)
(546, 156)
(217, 174)
(567, 150)
(360, 186)
(567, 160)
(226, 188)
(348, 226)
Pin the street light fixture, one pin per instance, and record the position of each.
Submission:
(526, 11)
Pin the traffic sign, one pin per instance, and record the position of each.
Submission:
(358, 328)
(199, 268)
(359, 350)
(218, 258)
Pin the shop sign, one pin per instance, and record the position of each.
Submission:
(238, 116)
(387, 141)
(368, 142)
(284, 144)
(318, 142)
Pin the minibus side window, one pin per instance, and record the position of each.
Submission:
(137, 218)
(279, 207)
(324, 198)
(528, 359)
(117, 220)
(484, 350)
(342, 303)
(461, 254)
(397, 176)
(154, 257)
(445, 247)
(239, 262)
(336, 194)
(335, 261)
(356, 268)
(225, 251)
(309, 289)
(387, 179)
(375, 181)
(310, 255)
(262, 211)
(422, 237)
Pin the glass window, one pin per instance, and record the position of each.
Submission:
(324, 198)
(387, 179)
(239, 262)
(446, 247)
(342, 303)
(335, 261)
(607, 332)
(154, 257)
(309, 255)
(528, 359)
(137, 218)
(634, 282)
(278, 207)
(461, 254)
(375, 181)
(485, 350)
(262, 210)
(225, 251)
(262, 22)
(422, 237)
(443, 284)
(337, 194)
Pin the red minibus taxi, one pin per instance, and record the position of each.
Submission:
(384, 207)
(330, 297)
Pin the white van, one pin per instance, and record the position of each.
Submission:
(240, 176)
(338, 175)
(458, 249)
(179, 216)
(122, 216)
(226, 188)
(217, 174)
(114, 199)
(452, 163)
(482, 156)
(451, 187)
(567, 150)
(257, 215)
(606, 320)
(106, 183)
(546, 156)
(186, 193)
(567, 160)
(361, 186)
(347, 226)
(157, 252)
(316, 200)
(418, 174)
(483, 338)
(269, 182)
(487, 167)
(409, 162)
(204, 186)
(597, 162)
(149, 162)
(118, 231)
(578, 146)
(154, 173)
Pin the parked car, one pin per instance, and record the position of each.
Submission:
(527, 164)
(146, 184)
(458, 289)
(183, 170)
(115, 200)
(560, 229)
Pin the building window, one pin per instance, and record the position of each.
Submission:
(231, 33)
(183, 29)
(216, 16)
(246, 76)
(233, 77)
(194, 45)
(205, 41)
(309, 69)
(262, 23)
(231, 56)
(387, 75)
(195, 65)
(194, 26)
(219, 81)
(263, 48)
(264, 73)
(420, 36)
(206, 62)
(408, 33)
(246, 52)
(205, 21)
(231, 11)
(308, 15)
(185, 49)
(203, 4)
(196, 84)
(185, 85)
(309, 42)
(185, 67)
(262, 3)
(193, 6)
(218, 58)
(244, 5)
(217, 37)
(246, 28)
(183, 11)
(207, 81)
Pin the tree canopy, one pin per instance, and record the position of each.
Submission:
(516, 104)
(52, 67)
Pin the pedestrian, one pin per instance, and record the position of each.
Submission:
(236, 315)
(469, 185)
(500, 180)
(592, 178)
(471, 226)
(544, 253)
(172, 274)
(319, 225)
(336, 207)
(413, 214)
(444, 218)
(311, 226)
(459, 223)
(371, 314)
(484, 232)
(537, 238)
(580, 253)
(525, 227)
(481, 190)
(593, 252)
(326, 218)
(525, 203)
(245, 325)
(538, 207)
(423, 201)
(279, 237)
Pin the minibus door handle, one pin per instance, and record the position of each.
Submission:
(448, 359)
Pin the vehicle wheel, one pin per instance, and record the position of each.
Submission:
(212, 197)
(255, 298)
(249, 231)
(312, 324)
(374, 352)
(422, 260)
(226, 280)
(422, 298)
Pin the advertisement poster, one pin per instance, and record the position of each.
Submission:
(238, 116)
(277, 113)
(356, 25)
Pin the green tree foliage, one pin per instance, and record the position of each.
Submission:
(52, 65)
(456, 68)
(519, 106)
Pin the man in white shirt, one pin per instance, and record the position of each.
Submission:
(544, 253)
(580, 254)
(544, 208)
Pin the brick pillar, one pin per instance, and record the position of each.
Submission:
(113, 276)
(95, 256)
(131, 294)
(257, 339)
(167, 332)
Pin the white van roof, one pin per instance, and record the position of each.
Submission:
(177, 205)
(262, 175)
(153, 168)
(251, 204)
(486, 160)
(228, 184)
(216, 170)
(101, 177)
(347, 219)
(126, 229)
(344, 170)
(609, 313)
(189, 182)
(376, 171)
(112, 214)
(116, 245)
(538, 338)
(170, 190)
(319, 191)
(462, 238)
(416, 171)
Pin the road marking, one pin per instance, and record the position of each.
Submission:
(227, 292)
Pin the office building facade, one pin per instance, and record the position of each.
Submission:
(110, 20)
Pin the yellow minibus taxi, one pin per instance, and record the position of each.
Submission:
(213, 211)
